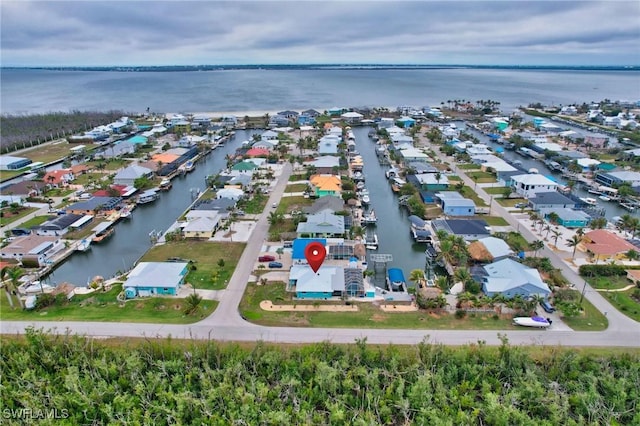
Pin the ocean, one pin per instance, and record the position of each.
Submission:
(239, 91)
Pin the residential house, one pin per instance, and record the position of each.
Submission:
(587, 164)
(328, 145)
(617, 178)
(240, 180)
(352, 117)
(94, 206)
(278, 121)
(413, 154)
(311, 113)
(32, 250)
(432, 181)
(155, 278)
(201, 227)
(454, 204)
(130, 174)
(550, 200)
(325, 184)
(509, 278)
(24, 189)
(245, 167)
(269, 135)
(58, 225)
(257, 152)
(569, 218)
(223, 205)
(406, 122)
(605, 246)
(489, 249)
(299, 246)
(633, 275)
(469, 229)
(330, 202)
(322, 225)
(57, 178)
(231, 193)
(327, 164)
(326, 283)
(265, 144)
(528, 185)
(596, 141)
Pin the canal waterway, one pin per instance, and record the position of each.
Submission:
(393, 224)
(131, 238)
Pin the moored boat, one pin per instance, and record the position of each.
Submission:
(590, 201)
(165, 185)
(84, 245)
(370, 218)
(103, 235)
(147, 197)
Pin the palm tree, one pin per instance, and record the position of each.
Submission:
(462, 275)
(275, 218)
(632, 255)
(442, 282)
(556, 235)
(4, 273)
(574, 242)
(535, 246)
(192, 302)
(417, 277)
(15, 273)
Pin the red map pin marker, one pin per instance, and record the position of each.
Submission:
(315, 254)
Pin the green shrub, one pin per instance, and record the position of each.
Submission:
(461, 313)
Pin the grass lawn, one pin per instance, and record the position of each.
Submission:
(296, 187)
(255, 205)
(626, 304)
(86, 178)
(111, 165)
(206, 255)
(609, 283)
(35, 221)
(496, 190)
(10, 174)
(295, 178)
(494, 220)
(482, 177)
(289, 204)
(591, 319)
(50, 152)
(515, 240)
(469, 166)
(368, 315)
(287, 225)
(101, 306)
(9, 217)
(59, 192)
(509, 202)
(454, 178)
(467, 192)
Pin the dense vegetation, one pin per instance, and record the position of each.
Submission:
(168, 382)
(22, 131)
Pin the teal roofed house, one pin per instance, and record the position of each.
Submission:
(406, 122)
(570, 218)
(155, 278)
(138, 140)
(244, 166)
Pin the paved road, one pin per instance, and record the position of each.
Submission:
(225, 324)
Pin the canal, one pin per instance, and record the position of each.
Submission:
(393, 226)
(131, 238)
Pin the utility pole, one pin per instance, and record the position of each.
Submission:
(584, 289)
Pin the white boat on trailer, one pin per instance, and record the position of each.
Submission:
(535, 322)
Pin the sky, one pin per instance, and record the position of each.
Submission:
(121, 33)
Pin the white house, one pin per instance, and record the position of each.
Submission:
(128, 175)
(231, 193)
(529, 184)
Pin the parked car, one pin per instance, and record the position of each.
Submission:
(274, 205)
(266, 258)
(275, 265)
(548, 308)
(521, 205)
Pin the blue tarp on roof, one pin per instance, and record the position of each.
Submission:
(300, 244)
(396, 275)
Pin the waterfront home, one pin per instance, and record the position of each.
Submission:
(413, 154)
(32, 250)
(587, 164)
(500, 123)
(489, 249)
(469, 229)
(596, 141)
(327, 164)
(331, 203)
(125, 191)
(155, 278)
(58, 225)
(326, 184)
(509, 278)
(419, 168)
(306, 120)
(57, 178)
(569, 218)
(240, 180)
(406, 122)
(401, 138)
(605, 246)
(10, 163)
(528, 185)
(328, 282)
(299, 246)
(201, 227)
(257, 152)
(128, 175)
(432, 181)
(265, 144)
(189, 141)
(550, 200)
(94, 206)
(618, 177)
(278, 121)
(352, 117)
(23, 189)
(231, 193)
(246, 167)
(222, 205)
(328, 145)
(454, 204)
(322, 225)
(633, 275)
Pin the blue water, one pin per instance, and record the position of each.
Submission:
(31, 91)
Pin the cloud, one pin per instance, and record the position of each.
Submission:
(203, 32)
